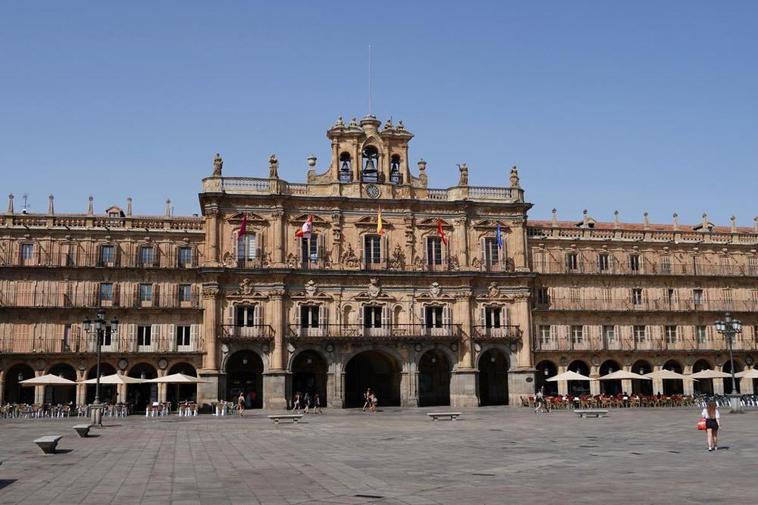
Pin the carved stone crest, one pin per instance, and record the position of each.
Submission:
(310, 288)
(349, 259)
(246, 287)
(435, 290)
(373, 288)
(492, 290)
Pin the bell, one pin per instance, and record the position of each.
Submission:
(370, 167)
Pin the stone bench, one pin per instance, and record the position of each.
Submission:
(293, 417)
(450, 415)
(591, 412)
(48, 443)
(83, 429)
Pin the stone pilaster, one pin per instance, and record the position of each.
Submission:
(275, 390)
(520, 383)
(463, 390)
(409, 389)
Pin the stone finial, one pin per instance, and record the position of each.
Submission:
(676, 221)
(312, 161)
(218, 165)
(646, 220)
(733, 220)
(421, 165)
(755, 221)
(168, 207)
(554, 219)
(50, 208)
(129, 206)
(353, 123)
(339, 123)
(273, 167)
(515, 182)
(705, 220)
(616, 223)
(463, 180)
(400, 125)
(91, 206)
(585, 217)
(388, 124)
(10, 205)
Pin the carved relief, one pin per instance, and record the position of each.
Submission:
(397, 261)
(310, 288)
(349, 259)
(373, 288)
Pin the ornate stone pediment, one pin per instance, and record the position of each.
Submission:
(494, 292)
(370, 222)
(432, 222)
(252, 218)
(317, 220)
(374, 292)
(310, 292)
(246, 291)
(434, 293)
(491, 224)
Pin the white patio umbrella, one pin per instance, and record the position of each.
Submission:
(710, 374)
(176, 378)
(750, 373)
(569, 376)
(48, 380)
(623, 375)
(114, 379)
(667, 375)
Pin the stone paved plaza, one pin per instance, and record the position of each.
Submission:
(490, 455)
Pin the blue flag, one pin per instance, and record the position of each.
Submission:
(499, 237)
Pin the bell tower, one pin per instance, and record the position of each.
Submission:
(363, 152)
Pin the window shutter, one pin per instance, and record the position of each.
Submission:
(298, 321)
(131, 342)
(385, 317)
(156, 294)
(505, 316)
(320, 247)
(172, 337)
(384, 254)
(257, 314)
(323, 316)
(483, 249)
(229, 315)
(483, 317)
(194, 330)
(155, 341)
(446, 316)
(361, 315)
(422, 314)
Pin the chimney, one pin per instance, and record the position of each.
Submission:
(616, 223)
(646, 220)
(734, 224)
(168, 207)
(10, 207)
(554, 219)
(91, 206)
(129, 206)
(676, 221)
(50, 208)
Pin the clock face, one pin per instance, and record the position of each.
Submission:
(373, 191)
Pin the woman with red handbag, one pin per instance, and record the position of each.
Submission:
(712, 422)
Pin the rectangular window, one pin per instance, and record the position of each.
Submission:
(247, 248)
(434, 250)
(755, 333)
(543, 296)
(572, 262)
(146, 256)
(728, 295)
(545, 334)
(372, 249)
(752, 265)
(185, 256)
(309, 316)
(492, 316)
(182, 336)
(146, 292)
(577, 334)
(670, 295)
(671, 334)
(372, 316)
(701, 333)
(244, 315)
(433, 317)
(66, 337)
(185, 292)
(634, 262)
(574, 294)
(637, 296)
(106, 292)
(106, 337)
(144, 336)
(107, 254)
(697, 296)
(639, 334)
(665, 265)
(609, 333)
(491, 252)
(27, 252)
(603, 262)
(309, 249)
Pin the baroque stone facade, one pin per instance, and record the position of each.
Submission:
(399, 287)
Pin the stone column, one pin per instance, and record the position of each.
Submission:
(81, 389)
(463, 381)
(208, 392)
(2, 387)
(657, 383)
(594, 385)
(409, 388)
(278, 236)
(275, 379)
(718, 384)
(211, 225)
(562, 385)
(162, 387)
(518, 246)
(688, 384)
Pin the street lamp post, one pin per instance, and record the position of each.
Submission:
(98, 328)
(730, 328)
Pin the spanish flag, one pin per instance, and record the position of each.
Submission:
(379, 225)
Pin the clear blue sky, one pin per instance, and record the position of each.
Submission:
(634, 106)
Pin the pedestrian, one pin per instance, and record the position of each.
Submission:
(712, 423)
(241, 403)
(367, 399)
(317, 404)
(374, 401)
(306, 402)
(540, 401)
(296, 402)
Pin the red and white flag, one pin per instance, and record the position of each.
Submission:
(441, 232)
(305, 231)
(243, 226)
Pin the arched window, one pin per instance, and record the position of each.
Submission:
(395, 176)
(346, 168)
(370, 171)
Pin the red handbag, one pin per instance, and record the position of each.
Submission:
(701, 424)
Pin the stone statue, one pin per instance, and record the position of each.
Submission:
(218, 164)
(397, 262)
(273, 167)
(463, 181)
(514, 177)
(349, 259)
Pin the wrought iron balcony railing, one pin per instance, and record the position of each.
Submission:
(80, 344)
(647, 343)
(397, 332)
(509, 333)
(231, 332)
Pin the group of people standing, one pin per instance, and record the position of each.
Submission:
(370, 401)
(306, 402)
